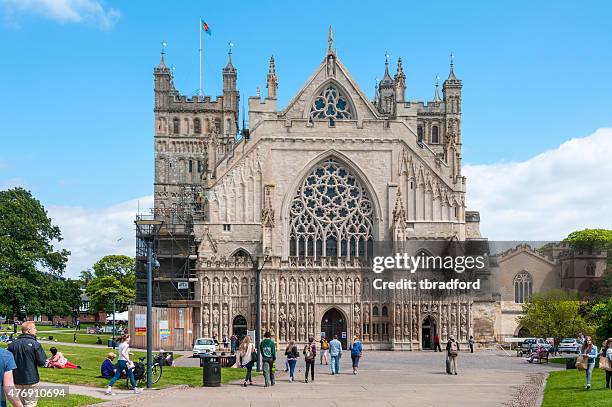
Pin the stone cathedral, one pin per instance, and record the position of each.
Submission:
(304, 193)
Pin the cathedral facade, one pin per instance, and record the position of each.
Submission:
(304, 194)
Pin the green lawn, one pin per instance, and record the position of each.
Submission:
(566, 388)
(90, 360)
(67, 335)
(73, 400)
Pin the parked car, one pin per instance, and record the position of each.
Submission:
(569, 345)
(203, 346)
(531, 344)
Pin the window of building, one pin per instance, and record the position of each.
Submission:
(375, 311)
(197, 126)
(218, 125)
(385, 312)
(420, 134)
(435, 138)
(190, 166)
(176, 125)
(522, 287)
(331, 105)
(590, 269)
(227, 227)
(331, 214)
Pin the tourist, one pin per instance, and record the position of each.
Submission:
(29, 355)
(452, 351)
(59, 361)
(268, 355)
(324, 351)
(99, 341)
(234, 343)
(335, 352)
(310, 355)
(4, 337)
(108, 369)
(292, 354)
(11, 338)
(356, 352)
(589, 350)
(537, 354)
(7, 365)
(124, 363)
(606, 352)
(74, 337)
(247, 355)
(78, 325)
(471, 343)
(225, 342)
(437, 347)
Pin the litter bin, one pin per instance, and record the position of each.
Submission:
(211, 371)
(111, 343)
(570, 363)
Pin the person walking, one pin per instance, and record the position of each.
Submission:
(356, 352)
(247, 355)
(124, 363)
(234, 343)
(471, 343)
(225, 342)
(292, 354)
(335, 352)
(452, 351)
(7, 383)
(267, 347)
(606, 352)
(437, 347)
(589, 350)
(29, 355)
(324, 351)
(310, 355)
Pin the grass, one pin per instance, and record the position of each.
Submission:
(90, 360)
(73, 400)
(566, 388)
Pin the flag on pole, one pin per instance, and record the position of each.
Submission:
(206, 27)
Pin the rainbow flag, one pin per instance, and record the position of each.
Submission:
(206, 27)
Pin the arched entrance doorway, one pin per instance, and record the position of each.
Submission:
(523, 333)
(428, 330)
(239, 327)
(334, 323)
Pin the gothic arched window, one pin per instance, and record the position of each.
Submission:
(330, 215)
(197, 126)
(435, 138)
(522, 287)
(176, 125)
(420, 134)
(331, 105)
(590, 269)
(375, 311)
(385, 311)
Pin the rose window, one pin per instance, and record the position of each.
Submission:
(330, 215)
(331, 105)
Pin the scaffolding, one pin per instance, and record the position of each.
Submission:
(174, 249)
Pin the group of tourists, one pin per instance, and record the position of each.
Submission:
(248, 355)
(588, 355)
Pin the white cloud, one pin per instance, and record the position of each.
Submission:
(547, 196)
(64, 11)
(91, 234)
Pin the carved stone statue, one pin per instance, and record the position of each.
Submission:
(282, 317)
(292, 286)
(234, 287)
(264, 313)
(302, 286)
(215, 315)
(357, 287)
(272, 313)
(320, 286)
(225, 287)
(206, 316)
(206, 287)
(302, 313)
(357, 312)
(244, 289)
(283, 287)
(329, 286)
(349, 287)
(338, 286)
(216, 286)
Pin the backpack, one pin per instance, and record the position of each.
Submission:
(266, 351)
(454, 348)
(325, 345)
(309, 352)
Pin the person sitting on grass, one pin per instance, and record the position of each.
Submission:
(108, 369)
(58, 361)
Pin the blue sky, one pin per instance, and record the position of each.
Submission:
(77, 103)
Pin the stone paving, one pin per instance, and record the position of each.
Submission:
(385, 379)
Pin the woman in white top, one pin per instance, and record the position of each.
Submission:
(124, 363)
(247, 357)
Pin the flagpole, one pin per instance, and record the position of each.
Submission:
(200, 29)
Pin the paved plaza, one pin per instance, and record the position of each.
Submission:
(385, 379)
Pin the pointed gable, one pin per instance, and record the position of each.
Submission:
(330, 90)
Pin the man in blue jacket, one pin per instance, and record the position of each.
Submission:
(335, 351)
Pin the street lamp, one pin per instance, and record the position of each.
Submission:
(147, 230)
(114, 294)
(258, 269)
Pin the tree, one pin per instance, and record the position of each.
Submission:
(26, 252)
(59, 296)
(601, 315)
(85, 276)
(112, 273)
(554, 313)
(590, 239)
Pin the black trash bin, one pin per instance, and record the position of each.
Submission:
(570, 363)
(211, 370)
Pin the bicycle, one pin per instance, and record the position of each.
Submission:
(140, 372)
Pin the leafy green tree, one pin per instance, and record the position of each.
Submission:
(112, 273)
(554, 313)
(26, 252)
(85, 276)
(601, 315)
(591, 239)
(59, 296)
